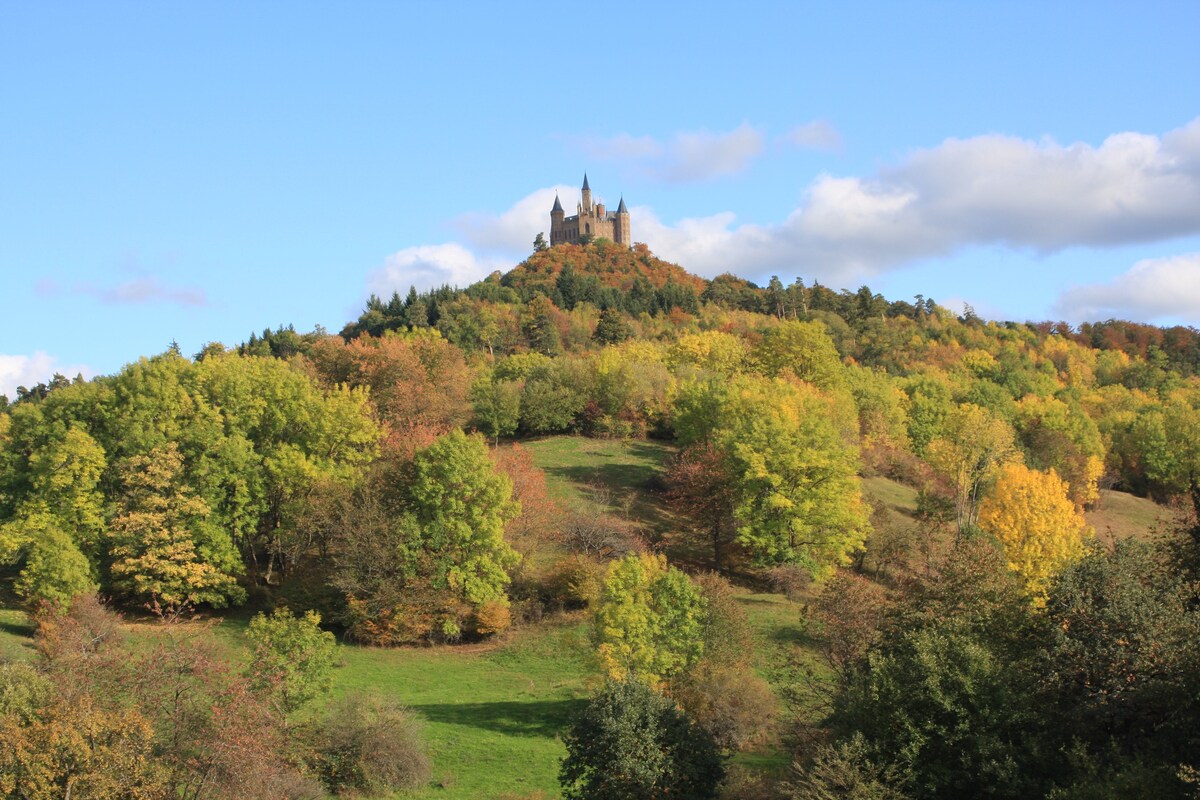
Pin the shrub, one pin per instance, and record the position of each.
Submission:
(631, 743)
(370, 745)
(492, 617)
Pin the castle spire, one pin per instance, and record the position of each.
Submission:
(621, 208)
(557, 204)
(586, 188)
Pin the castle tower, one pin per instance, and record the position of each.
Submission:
(621, 225)
(586, 205)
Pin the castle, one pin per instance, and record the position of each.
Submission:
(591, 221)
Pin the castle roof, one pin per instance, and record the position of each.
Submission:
(558, 205)
(585, 186)
(621, 208)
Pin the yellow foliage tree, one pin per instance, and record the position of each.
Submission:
(1032, 515)
(974, 445)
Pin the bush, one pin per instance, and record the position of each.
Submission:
(734, 705)
(631, 743)
(492, 617)
(370, 745)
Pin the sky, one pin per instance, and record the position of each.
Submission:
(191, 173)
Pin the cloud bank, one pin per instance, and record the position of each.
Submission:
(1152, 289)
(986, 190)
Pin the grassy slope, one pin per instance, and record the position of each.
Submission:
(1117, 515)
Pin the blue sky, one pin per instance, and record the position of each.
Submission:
(195, 172)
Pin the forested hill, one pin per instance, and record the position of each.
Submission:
(603, 275)
(908, 485)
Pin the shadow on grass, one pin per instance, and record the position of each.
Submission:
(23, 629)
(545, 718)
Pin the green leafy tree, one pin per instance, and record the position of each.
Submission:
(804, 349)
(55, 570)
(649, 620)
(291, 658)
(497, 405)
(462, 504)
(797, 494)
(631, 743)
(541, 327)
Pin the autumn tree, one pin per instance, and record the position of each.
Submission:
(795, 468)
(165, 549)
(973, 446)
(700, 486)
(1030, 513)
(648, 621)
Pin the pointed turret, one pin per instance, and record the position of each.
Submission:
(585, 207)
(557, 205)
(621, 209)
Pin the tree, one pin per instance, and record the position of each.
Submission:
(541, 326)
(701, 486)
(1120, 662)
(794, 467)
(462, 504)
(539, 243)
(291, 658)
(804, 349)
(1041, 529)
(631, 743)
(943, 698)
(160, 538)
(611, 328)
(648, 623)
(55, 570)
(497, 405)
(974, 444)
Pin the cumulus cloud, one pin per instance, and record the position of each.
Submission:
(513, 231)
(30, 370)
(140, 290)
(430, 266)
(815, 135)
(687, 157)
(986, 190)
(1152, 289)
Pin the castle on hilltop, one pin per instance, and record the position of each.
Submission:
(590, 221)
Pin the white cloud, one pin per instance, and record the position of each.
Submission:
(430, 266)
(687, 157)
(815, 135)
(27, 371)
(1151, 289)
(987, 190)
(512, 231)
